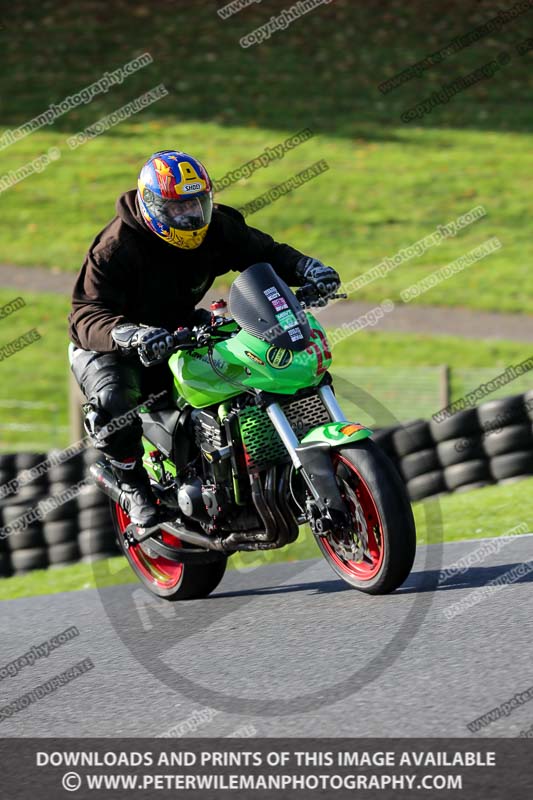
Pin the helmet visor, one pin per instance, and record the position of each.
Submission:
(187, 214)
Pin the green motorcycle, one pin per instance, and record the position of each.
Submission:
(254, 445)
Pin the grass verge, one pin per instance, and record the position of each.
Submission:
(389, 183)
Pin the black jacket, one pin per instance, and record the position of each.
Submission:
(131, 275)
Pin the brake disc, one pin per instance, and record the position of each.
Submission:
(352, 545)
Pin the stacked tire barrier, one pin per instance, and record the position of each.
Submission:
(492, 443)
(77, 530)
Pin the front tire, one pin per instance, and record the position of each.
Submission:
(377, 554)
(171, 580)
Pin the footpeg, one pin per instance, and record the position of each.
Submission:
(134, 534)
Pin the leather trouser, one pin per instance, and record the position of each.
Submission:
(114, 385)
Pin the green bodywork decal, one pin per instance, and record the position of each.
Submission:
(334, 433)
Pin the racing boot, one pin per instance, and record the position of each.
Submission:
(136, 495)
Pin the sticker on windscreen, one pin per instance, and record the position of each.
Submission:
(280, 304)
(287, 320)
(295, 334)
(271, 293)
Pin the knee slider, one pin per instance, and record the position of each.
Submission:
(119, 423)
(115, 401)
(95, 420)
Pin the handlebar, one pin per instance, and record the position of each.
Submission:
(309, 296)
(200, 337)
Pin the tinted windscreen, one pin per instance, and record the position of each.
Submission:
(264, 306)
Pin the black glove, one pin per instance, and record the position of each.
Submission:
(325, 279)
(152, 344)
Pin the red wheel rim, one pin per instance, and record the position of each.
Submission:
(374, 552)
(162, 572)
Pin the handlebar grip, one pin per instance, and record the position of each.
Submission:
(308, 289)
(183, 338)
(309, 294)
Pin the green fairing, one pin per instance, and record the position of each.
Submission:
(247, 361)
(332, 433)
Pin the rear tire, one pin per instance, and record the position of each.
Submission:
(368, 474)
(167, 579)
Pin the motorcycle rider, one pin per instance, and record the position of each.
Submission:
(142, 277)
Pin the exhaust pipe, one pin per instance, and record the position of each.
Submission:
(261, 540)
(283, 504)
(107, 482)
(272, 502)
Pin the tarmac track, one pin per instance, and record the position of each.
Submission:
(284, 650)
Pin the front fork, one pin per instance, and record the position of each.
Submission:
(313, 462)
(286, 433)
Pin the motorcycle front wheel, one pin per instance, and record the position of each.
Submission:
(376, 553)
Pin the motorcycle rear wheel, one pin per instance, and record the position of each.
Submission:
(171, 580)
(377, 554)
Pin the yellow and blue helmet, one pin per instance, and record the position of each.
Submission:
(176, 198)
